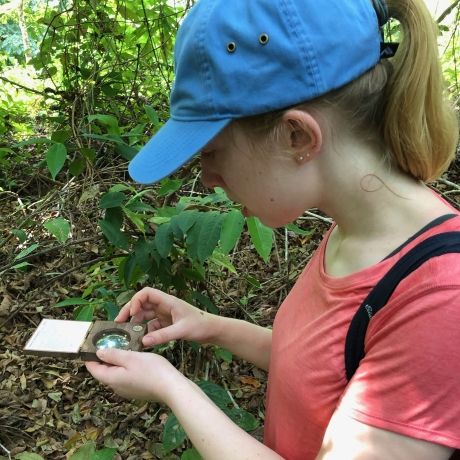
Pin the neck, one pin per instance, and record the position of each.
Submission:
(368, 198)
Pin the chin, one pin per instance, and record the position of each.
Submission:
(272, 223)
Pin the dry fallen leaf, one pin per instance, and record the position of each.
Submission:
(5, 305)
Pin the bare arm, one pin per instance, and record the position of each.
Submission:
(348, 439)
(146, 376)
(212, 433)
(171, 318)
(248, 341)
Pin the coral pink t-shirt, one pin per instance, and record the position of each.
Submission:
(409, 379)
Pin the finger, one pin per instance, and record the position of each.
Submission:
(115, 357)
(98, 370)
(154, 325)
(163, 335)
(124, 314)
(148, 299)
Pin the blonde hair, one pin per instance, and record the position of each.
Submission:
(400, 102)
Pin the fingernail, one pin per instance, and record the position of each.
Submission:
(101, 353)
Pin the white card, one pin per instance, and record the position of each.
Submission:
(58, 335)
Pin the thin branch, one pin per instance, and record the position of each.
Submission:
(31, 90)
(45, 251)
(447, 11)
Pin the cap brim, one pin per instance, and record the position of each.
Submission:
(175, 143)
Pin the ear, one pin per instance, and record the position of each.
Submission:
(305, 134)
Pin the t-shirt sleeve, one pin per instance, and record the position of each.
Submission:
(408, 381)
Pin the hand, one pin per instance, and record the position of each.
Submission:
(169, 318)
(134, 375)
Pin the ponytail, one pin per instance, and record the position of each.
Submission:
(420, 127)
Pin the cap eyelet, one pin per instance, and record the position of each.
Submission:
(264, 39)
(231, 47)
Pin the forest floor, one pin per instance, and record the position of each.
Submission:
(53, 406)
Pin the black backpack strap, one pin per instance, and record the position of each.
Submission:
(442, 243)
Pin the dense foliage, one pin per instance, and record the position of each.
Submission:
(83, 84)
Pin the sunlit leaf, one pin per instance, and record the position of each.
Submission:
(232, 227)
(261, 236)
(55, 159)
(59, 228)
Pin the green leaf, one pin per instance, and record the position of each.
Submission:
(21, 265)
(204, 236)
(28, 456)
(169, 186)
(61, 136)
(153, 116)
(112, 200)
(173, 433)
(181, 223)
(131, 271)
(72, 302)
(157, 220)
(114, 234)
(243, 419)
(115, 217)
(164, 240)
(111, 310)
(21, 235)
(223, 354)
(231, 230)
(191, 454)
(223, 261)
(25, 252)
(126, 151)
(77, 166)
(146, 253)
(104, 454)
(299, 231)
(59, 228)
(55, 396)
(33, 141)
(217, 394)
(89, 154)
(109, 121)
(221, 399)
(84, 452)
(135, 218)
(205, 301)
(261, 236)
(85, 313)
(55, 159)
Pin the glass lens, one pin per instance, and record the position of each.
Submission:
(112, 340)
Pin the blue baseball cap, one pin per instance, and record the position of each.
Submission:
(237, 58)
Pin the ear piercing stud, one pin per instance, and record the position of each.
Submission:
(300, 158)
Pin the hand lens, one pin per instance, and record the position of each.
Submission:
(113, 339)
(82, 339)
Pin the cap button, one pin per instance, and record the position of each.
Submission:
(264, 39)
(231, 47)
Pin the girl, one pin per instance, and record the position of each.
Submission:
(293, 105)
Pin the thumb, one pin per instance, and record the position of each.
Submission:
(114, 356)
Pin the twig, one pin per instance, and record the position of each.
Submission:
(45, 251)
(316, 216)
(235, 302)
(447, 11)
(448, 182)
(55, 278)
(6, 450)
(31, 90)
